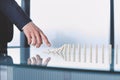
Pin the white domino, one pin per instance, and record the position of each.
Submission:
(65, 52)
(90, 53)
(78, 53)
(116, 54)
(85, 53)
(74, 52)
(96, 51)
(69, 51)
(110, 53)
(103, 54)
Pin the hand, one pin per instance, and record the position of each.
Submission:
(38, 61)
(34, 35)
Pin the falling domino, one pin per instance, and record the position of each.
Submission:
(90, 53)
(96, 53)
(65, 51)
(61, 51)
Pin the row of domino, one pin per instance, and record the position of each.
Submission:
(76, 53)
(84, 53)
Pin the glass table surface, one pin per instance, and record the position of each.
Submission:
(58, 64)
(67, 56)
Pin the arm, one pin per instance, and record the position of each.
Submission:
(14, 12)
(16, 15)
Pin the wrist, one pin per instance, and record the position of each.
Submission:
(29, 23)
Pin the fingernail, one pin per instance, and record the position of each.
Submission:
(49, 44)
(37, 46)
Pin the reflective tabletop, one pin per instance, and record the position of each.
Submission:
(69, 56)
(67, 62)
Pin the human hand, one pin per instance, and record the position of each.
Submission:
(38, 61)
(34, 35)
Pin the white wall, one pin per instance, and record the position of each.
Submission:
(117, 22)
(73, 21)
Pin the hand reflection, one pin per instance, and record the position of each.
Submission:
(38, 61)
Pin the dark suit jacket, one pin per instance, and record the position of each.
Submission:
(11, 13)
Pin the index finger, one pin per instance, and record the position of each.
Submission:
(45, 39)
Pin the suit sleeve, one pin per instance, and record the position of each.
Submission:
(14, 12)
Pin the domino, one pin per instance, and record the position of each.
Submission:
(90, 53)
(78, 53)
(85, 53)
(74, 52)
(110, 53)
(96, 51)
(65, 52)
(116, 54)
(103, 54)
(69, 51)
